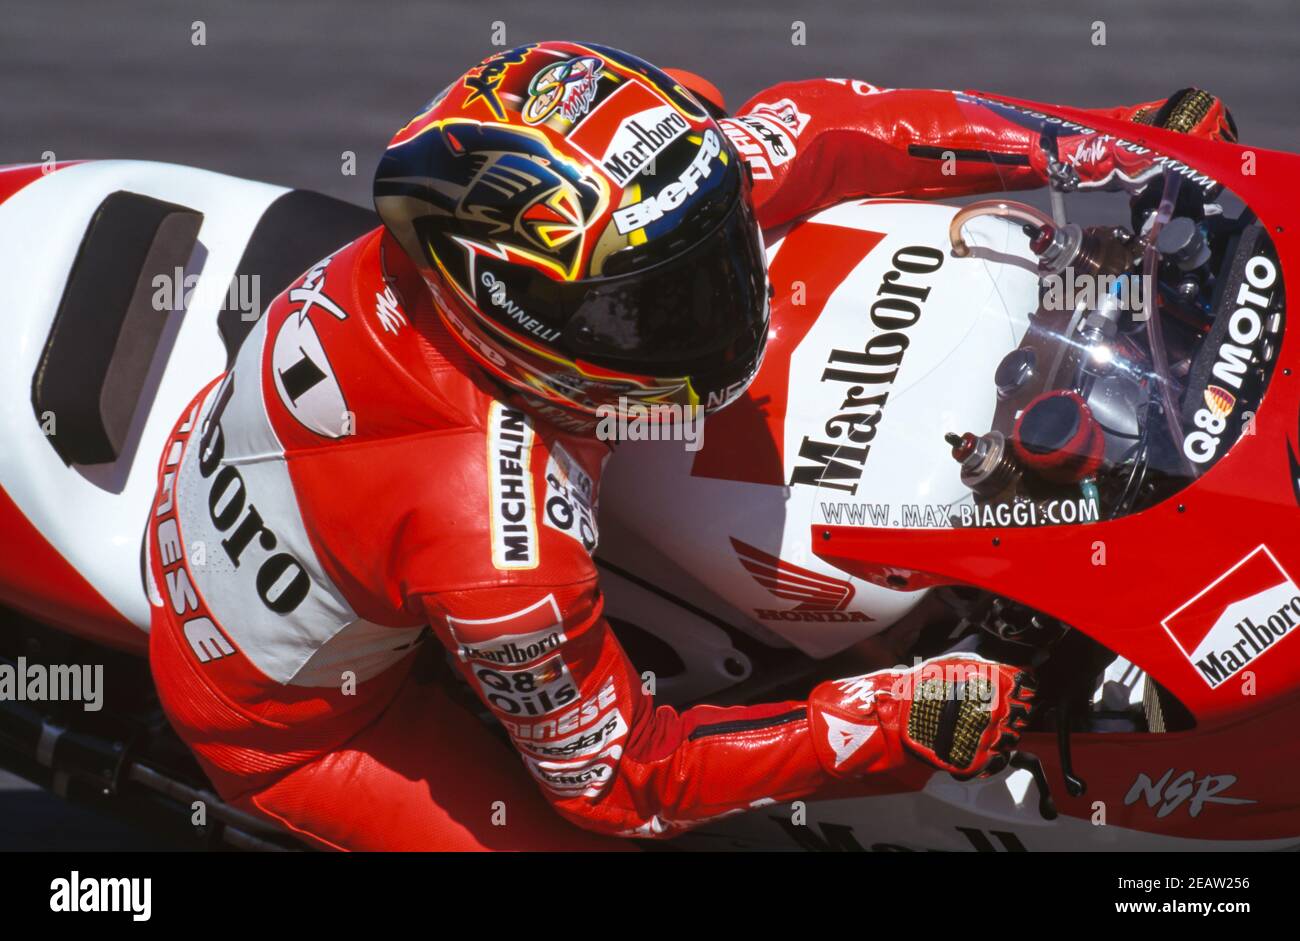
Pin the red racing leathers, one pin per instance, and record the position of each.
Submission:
(354, 478)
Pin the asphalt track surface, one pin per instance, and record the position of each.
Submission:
(281, 90)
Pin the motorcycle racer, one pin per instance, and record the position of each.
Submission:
(405, 439)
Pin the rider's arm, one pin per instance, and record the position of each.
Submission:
(547, 664)
(551, 670)
(815, 143)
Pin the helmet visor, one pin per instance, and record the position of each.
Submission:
(682, 319)
(702, 314)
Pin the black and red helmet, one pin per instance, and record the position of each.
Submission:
(585, 228)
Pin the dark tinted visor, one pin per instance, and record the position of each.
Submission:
(688, 315)
(701, 313)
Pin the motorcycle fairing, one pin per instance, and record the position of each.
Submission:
(72, 553)
(1140, 584)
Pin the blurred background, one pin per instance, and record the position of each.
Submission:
(282, 89)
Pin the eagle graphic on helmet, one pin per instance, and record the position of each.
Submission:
(504, 187)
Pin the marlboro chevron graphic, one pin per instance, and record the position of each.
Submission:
(1239, 618)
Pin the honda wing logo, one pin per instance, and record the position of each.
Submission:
(817, 597)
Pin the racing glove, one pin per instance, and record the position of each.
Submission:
(1100, 161)
(1189, 111)
(960, 713)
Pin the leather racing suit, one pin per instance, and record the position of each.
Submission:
(354, 478)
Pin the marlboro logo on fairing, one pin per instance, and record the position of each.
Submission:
(1241, 616)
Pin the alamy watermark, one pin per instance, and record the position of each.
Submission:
(177, 291)
(78, 893)
(1066, 290)
(65, 682)
(632, 420)
(959, 680)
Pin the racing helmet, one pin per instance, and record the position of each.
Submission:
(585, 228)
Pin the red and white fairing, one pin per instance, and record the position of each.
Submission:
(74, 531)
(745, 499)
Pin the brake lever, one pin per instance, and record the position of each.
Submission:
(1028, 761)
(1075, 786)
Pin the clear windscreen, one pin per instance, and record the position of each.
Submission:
(1118, 339)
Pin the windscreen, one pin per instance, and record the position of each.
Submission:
(1120, 335)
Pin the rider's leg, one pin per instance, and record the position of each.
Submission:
(424, 774)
